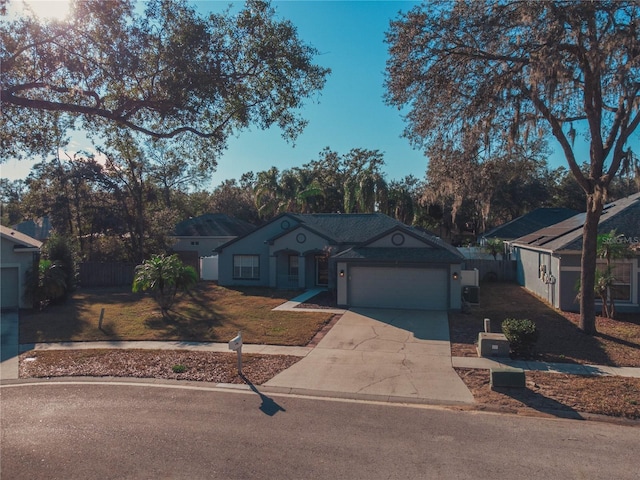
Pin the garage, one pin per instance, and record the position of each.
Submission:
(10, 293)
(398, 287)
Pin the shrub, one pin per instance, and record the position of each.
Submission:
(46, 283)
(522, 335)
(179, 368)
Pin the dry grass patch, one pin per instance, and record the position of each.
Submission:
(616, 344)
(558, 394)
(210, 313)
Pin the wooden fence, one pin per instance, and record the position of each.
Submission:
(117, 274)
(493, 270)
(108, 274)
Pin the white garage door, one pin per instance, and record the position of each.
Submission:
(389, 287)
(9, 288)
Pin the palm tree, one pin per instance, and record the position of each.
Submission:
(165, 276)
(365, 189)
(267, 193)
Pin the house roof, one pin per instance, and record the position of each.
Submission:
(40, 229)
(412, 255)
(530, 222)
(20, 239)
(347, 228)
(622, 215)
(359, 229)
(212, 225)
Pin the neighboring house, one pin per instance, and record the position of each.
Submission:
(40, 229)
(528, 223)
(205, 233)
(370, 260)
(19, 252)
(548, 260)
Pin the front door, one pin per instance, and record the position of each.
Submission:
(322, 270)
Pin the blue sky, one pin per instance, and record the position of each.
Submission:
(349, 113)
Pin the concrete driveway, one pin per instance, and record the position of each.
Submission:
(8, 344)
(380, 354)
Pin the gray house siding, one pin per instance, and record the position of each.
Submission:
(252, 244)
(539, 272)
(18, 254)
(308, 246)
(203, 245)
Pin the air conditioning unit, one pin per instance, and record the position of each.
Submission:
(471, 294)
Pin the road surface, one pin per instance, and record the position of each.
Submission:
(81, 430)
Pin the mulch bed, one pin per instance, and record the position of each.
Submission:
(198, 366)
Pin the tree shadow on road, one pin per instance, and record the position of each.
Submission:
(539, 402)
(268, 405)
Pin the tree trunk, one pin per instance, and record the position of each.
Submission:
(588, 263)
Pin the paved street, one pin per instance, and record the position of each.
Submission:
(147, 430)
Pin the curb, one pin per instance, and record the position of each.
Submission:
(322, 394)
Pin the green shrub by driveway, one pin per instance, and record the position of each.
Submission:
(522, 335)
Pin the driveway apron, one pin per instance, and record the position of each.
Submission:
(9, 344)
(383, 354)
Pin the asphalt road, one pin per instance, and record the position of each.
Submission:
(151, 431)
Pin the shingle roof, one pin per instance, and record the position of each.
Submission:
(347, 227)
(20, 239)
(412, 255)
(212, 225)
(530, 222)
(623, 216)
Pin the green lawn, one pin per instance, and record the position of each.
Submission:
(210, 313)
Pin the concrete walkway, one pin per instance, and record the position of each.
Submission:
(549, 367)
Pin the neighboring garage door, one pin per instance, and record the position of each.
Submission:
(393, 287)
(9, 288)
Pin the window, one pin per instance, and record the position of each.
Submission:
(293, 265)
(621, 272)
(195, 243)
(246, 266)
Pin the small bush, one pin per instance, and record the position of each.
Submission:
(522, 335)
(179, 369)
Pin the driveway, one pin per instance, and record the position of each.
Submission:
(380, 354)
(9, 344)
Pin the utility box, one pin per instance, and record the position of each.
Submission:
(493, 345)
(507, 377)
(471, 294)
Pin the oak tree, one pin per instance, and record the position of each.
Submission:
(499, 70)
(163, 70)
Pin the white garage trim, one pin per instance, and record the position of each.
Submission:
(398, 287)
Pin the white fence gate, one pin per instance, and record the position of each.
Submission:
(209, 268)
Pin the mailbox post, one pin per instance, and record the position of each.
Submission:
(235, 344)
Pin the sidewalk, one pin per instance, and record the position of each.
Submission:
(565, 368)
(481, 363)
(153, 345)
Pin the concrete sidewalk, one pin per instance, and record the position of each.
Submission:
(549, 367)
